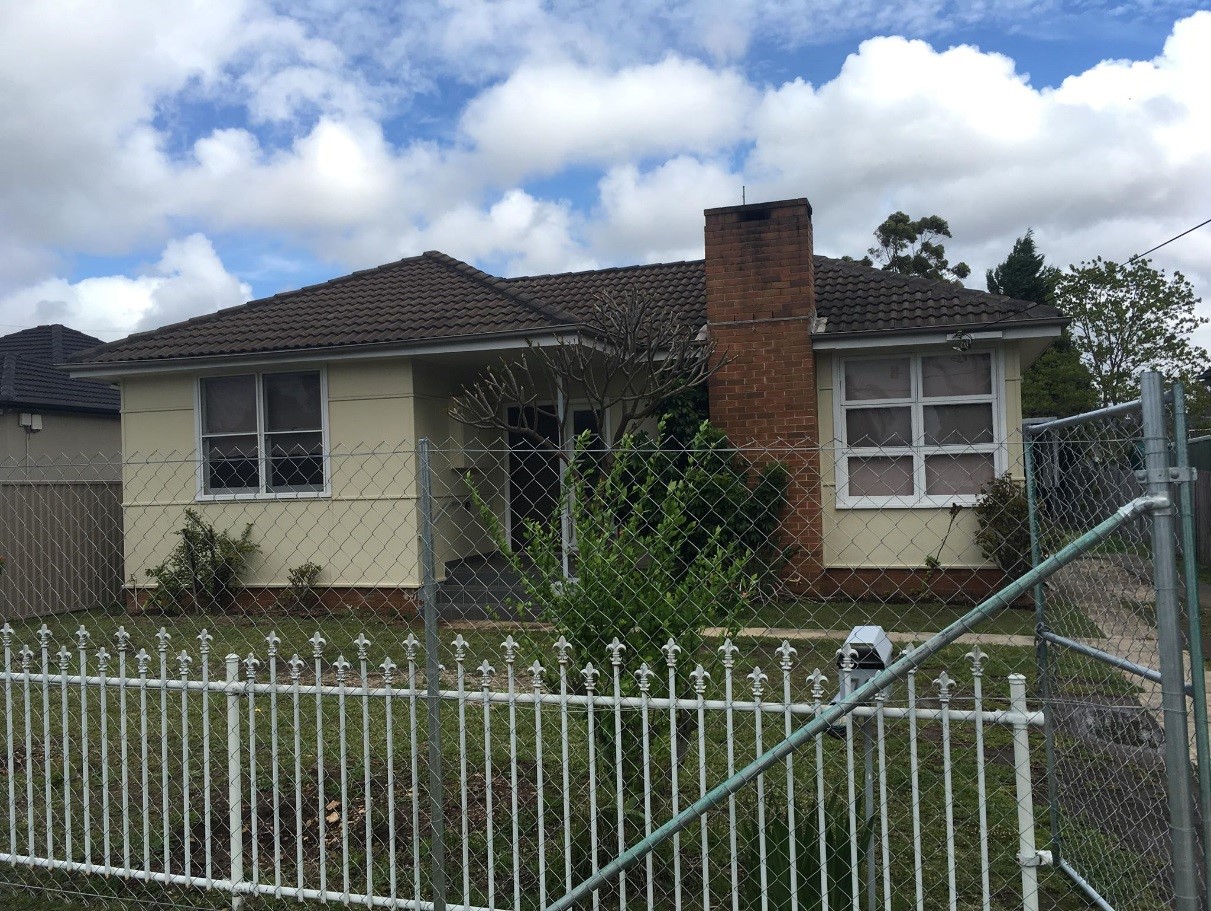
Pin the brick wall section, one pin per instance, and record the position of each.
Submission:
(760, 302)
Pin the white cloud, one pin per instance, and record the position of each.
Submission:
(520, 233)
(188, 279)
(656, 215)
(547, 116)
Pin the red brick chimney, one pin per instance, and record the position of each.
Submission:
(760, 303)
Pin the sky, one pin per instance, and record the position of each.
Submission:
(160, 161)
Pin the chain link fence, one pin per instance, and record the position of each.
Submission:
(219, 686)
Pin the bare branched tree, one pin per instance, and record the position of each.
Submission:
(630, 356)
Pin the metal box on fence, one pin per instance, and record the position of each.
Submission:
(873, 650)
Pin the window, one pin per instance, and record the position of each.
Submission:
(917, 430)
(262, 434)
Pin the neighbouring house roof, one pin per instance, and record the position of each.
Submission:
(434, 298)
(30, 379)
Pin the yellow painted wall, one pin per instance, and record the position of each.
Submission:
(365, 533)
(904, 538)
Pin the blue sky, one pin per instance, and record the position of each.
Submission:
(166, 160)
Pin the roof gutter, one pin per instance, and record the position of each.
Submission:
(883, 338)
(504, 341)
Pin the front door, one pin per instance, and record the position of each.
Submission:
(534, 470)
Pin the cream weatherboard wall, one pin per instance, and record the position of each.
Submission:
(65, 437)
(904, 538)
(363, 533)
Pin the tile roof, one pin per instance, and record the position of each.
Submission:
(30, 379)
(434, 297)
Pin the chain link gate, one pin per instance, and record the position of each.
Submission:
(1124, 724)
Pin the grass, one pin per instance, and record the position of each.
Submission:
(238, 635)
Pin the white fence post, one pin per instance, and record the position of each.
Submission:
(234, 789)
(1028, 857)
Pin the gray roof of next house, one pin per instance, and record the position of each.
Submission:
(436, 299)
(30, 379)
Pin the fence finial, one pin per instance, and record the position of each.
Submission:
(758, 679)
(82, 637)
(44, 636)
(410, 644)
(976, 656)
(561, 649)
(671, 649)
(590, 675)
(142, 660)
(273, 640)
(728, 650)
(64, 656)
(510, 647)
(6, 635)
(816, 679)
(27, 655)
(645, 675)
(251, 663)
(341, 666)
(945, 684)
(121, 637)
(485, 675)
(700, 676)
(615, 650)
(296, 667)
(317, 645)
(163, 637)
(184, 661)
(363, 646)
(204, 640)
(388, 667)
(785, 653)
(536, 672)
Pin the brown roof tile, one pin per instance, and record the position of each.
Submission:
(435, 298)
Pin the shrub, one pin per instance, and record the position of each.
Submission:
(1003, 515)
(645, 571)
(202, 569)
(300, 596)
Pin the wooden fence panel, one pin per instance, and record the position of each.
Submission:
(62, 546)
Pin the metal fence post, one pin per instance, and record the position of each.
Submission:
(1169, 638)
(1185, 501)
(1042, 651)
(437, 825)
(1028, 856)
(235, 788)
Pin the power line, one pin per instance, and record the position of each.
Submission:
(1169, 241)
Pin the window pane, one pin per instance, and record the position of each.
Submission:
(956, 374)
(956, 425)
(878, 426)
(296, 462)
(292, 401)
(229, 404)
(957, 474)
(880, 378)
(231, 464)
(880, 476)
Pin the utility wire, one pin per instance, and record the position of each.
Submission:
(1170, 240)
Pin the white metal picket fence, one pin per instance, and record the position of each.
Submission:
(304, 777)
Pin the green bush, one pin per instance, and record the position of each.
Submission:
(645, 570)
(1003, 515)
(202, 569)
(300, 596)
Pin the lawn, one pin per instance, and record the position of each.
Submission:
(239, 635)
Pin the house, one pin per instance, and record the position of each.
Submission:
(45, 414)
(60, 472)
(890, 398)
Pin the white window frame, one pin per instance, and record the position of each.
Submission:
(918, 449)
(203, 496)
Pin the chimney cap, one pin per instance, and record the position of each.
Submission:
(753, 207)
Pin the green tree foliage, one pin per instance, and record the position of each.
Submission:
(1057, 384)
(1127, 318)
(913, 247)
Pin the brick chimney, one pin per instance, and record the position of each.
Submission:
(760, 302)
